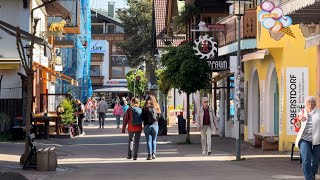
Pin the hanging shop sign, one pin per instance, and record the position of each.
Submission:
(272, 18)
(98, 46)
(203, 27)
(218, 64)
(117, 83)
(207, 49)
(296, 91)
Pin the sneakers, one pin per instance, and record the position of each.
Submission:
(134, 158)
(149, 157)
(209, 152)
(129, 157)
(153, 156)
(203, 153)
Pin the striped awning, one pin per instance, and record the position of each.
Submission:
(313, 41)
(9, 63)
(260, 54)
(302, 11)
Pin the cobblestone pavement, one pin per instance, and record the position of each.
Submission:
(101, 154)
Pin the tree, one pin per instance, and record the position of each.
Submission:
(141, 81)
(137, 23)
(186, 72)
(27, 64)
(164, 86)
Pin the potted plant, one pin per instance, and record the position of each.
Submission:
(4, 120)
(66, 108)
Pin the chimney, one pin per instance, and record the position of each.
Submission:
(111, 9)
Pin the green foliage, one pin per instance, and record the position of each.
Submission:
(180, 21)
(163, 82)
(68, 110)
(179, 107)
(184, 70)
(141, 84)
(137, 23)
(4, 117)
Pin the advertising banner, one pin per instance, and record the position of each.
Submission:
(296, 90)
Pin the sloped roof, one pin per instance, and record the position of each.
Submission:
(104, 15)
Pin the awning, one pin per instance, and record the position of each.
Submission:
(255, 55)
(302, 11)
(313, 41)
(9, 63)
(56, 9)
(232, 48)
(56, 74)
(113, 89)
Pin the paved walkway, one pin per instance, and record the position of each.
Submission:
(101, 154)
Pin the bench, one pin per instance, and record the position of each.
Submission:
(46, 158)
(267, 141)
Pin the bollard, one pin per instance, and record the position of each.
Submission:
(42, 159)
(52, 159)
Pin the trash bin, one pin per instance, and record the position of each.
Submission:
(181, 125)
(163, 129)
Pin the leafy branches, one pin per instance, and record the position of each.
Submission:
(137, 23)
(140, 82)
(180, 21)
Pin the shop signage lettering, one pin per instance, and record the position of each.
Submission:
(98, 46)
(297, 90)
(203, 27)
(218, 65)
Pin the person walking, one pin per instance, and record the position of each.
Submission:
(102, 109)
(206, 123)
(80, 115)
(308, 138)
(89, 109)
(133, 118)
(150, 115)
(124, 108)
(117, 111)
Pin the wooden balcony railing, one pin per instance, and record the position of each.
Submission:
(97, 80)
(108, 37)
(248, 28)
(97, 57)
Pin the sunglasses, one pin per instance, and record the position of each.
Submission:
(205, 101)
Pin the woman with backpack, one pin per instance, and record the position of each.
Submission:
(150, 115)
(117, 111)
(133, 118)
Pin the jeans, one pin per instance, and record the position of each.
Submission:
(80, 123)
(310, 158)
(133, 146)
(151, 133)
(118, 119)
(206, 138)
(102, 115)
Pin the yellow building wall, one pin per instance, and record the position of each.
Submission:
(287, 52)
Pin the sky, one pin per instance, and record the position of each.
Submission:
(104, 3)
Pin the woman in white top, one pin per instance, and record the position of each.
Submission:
(308, 138)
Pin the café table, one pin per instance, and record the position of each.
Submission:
(46, 120)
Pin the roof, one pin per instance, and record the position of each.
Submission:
(160, 9)
(104, 15)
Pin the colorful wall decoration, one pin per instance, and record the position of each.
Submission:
(272, 18)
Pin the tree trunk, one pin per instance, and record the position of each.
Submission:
(165, 106)
(188, 119)
(29, 94)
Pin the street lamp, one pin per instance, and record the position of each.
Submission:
(238, 10)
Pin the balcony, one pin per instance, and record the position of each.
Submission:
(97, 80)
(248, 28)
(109, 37)
(97, 57)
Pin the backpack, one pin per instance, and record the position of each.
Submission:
(136, 116)
(152, 115)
